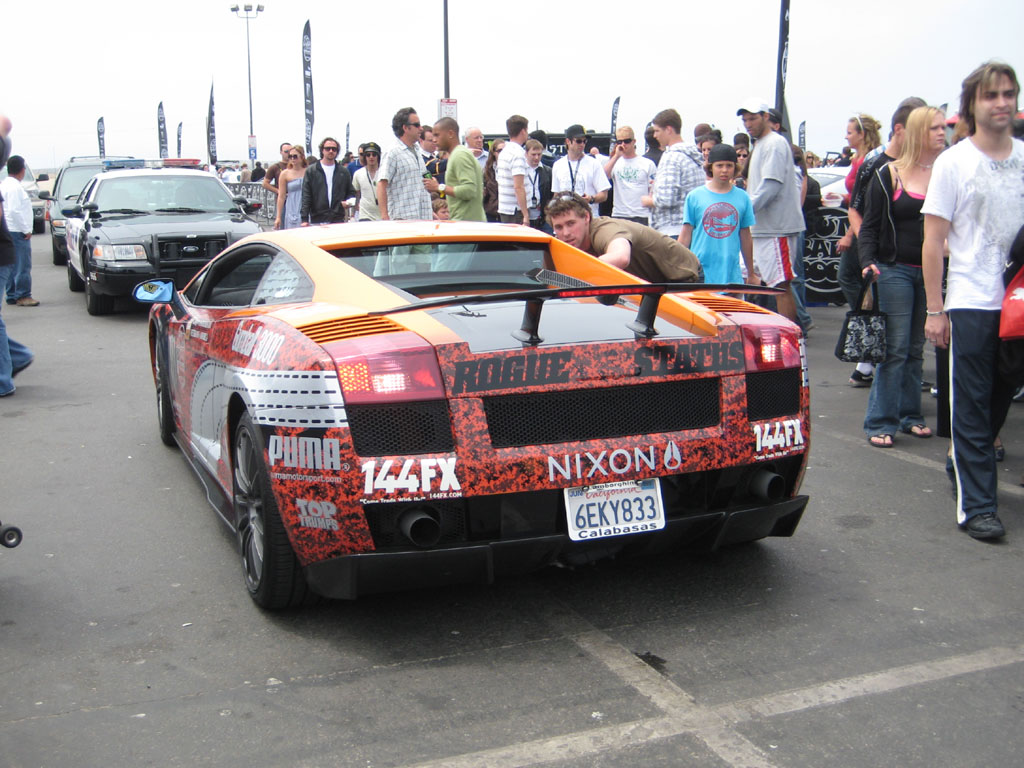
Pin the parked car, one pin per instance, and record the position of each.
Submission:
(131, 225)
(390, 405)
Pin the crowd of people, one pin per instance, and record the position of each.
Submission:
(931, 224)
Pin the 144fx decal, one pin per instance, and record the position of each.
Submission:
(776, 435)
(432, 476)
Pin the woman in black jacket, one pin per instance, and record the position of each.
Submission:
(890, 242)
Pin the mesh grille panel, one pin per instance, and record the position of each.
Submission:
(557, 417)
(773, 393)
(400, 429)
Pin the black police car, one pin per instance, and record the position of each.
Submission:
(134, 224)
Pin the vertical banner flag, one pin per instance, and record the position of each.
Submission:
(211, 132)
(179, 139)
(780, 70)
(100, 131)
(802, 135)
(348, 132)
(161, 130)
(307, 82)
(615, 117)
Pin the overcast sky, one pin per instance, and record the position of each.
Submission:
(557, 63)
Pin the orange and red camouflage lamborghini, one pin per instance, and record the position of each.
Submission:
(390, 405)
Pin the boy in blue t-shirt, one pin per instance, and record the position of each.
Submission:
(717, 221)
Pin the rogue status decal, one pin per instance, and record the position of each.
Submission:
(506, 372)
(690, 357)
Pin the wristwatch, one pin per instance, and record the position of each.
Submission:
(441, 188)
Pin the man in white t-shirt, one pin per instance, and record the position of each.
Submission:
(511, 174)
(365, 182)
(578, 172)
(632, 176)
(975, 202)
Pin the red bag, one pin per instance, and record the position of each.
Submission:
(1011, 321)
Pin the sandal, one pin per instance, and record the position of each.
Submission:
(917, 430)
(881, 441)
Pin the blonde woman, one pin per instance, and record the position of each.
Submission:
(891, 237)
(289, 190)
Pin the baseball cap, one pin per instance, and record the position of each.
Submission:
(575, 131)
(722, 153)
(753, 104)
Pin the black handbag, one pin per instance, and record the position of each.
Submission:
(862, 339)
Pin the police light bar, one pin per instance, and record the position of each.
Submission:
(110, 165)
(180, 162)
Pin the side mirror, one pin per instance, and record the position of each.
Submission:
(154, 292)
(251, 206)
(43, 177)
(240, 199)
(44, 195)
(159, 292)
(74, 212)
(91, 207)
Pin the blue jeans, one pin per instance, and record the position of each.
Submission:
(799, 285)
(895, 398)
(19, 280)
(850, 280)
(12, 354)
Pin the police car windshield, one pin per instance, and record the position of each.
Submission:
(151, 193)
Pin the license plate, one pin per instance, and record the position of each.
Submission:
(614, 509)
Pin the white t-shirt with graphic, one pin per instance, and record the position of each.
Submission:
(983, 200)
(632, 178)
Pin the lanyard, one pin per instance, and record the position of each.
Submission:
(533, 187)
(572, 176)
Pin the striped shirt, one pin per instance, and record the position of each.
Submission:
(403, 169)
(511, 162)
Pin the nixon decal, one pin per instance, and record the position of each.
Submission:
(435, 477)
(689, 357)
(597, 467)
(778, 434)
(490, 373)
(305, 452)
(317, 514)
(259, 344)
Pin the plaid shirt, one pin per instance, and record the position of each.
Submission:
(680, 169)
(403, 169)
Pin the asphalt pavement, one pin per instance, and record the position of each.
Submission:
(879, 635)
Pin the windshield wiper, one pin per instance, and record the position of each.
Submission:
(122, 210)
(181, 209)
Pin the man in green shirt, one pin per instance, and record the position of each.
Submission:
(463, 180)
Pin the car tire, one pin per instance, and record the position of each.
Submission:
(97, 303)
(38, 226)
(60, 256)
(75, 283)
(164, 409)
(272, 573)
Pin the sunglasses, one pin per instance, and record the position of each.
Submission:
(293, 157)
(624, 141)
(372, 154)
(579, 141)
(330, 149)
(566, 196)
(413, 125)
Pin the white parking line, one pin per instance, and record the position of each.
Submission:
(716, 726)
(1008, 488)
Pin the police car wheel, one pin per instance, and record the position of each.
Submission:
(75, 283)
(272, 573)
(97, 303)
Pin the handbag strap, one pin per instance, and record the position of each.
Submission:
(872, 283)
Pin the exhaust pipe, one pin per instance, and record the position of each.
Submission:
(767, 485)
(420, 527)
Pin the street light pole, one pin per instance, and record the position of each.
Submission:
(247, 12)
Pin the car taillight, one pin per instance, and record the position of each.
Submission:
(391, 367)
(767, 347)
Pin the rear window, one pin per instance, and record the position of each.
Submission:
(422, 268)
